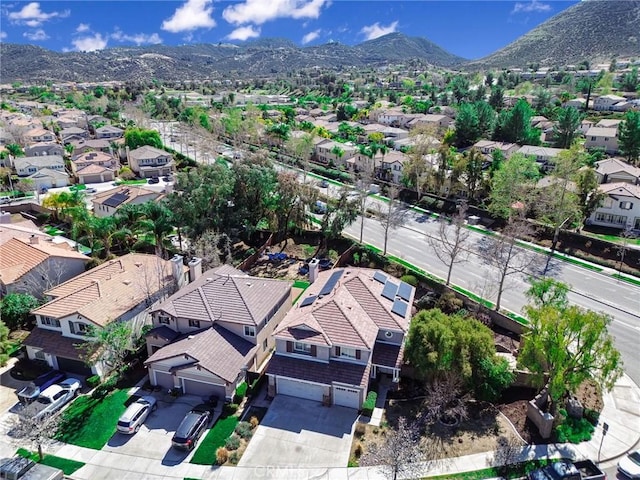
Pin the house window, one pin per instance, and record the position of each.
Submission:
(51, 322)
(346, 352)
(194, 323)
(626, 205)
(609, 218)
(79, 328)
(608, 203)
(593, 139)
(249, 331)
(163, 320)
(264, 344)
(303, 348)
(39, 355)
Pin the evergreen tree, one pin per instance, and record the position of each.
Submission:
(568, 123)
(629, 136)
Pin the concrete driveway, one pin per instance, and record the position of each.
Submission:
(153, 441)
(301, 433)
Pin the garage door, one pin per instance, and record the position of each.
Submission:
(163, 379)
(91, 179)
(68, 365)
(193, 387)
(346, 397)
(297, 388)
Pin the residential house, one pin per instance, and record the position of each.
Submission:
(83, 146)
(22, 230)
(602, 138)
(544, 156)
(211, 333)
(391, 166)
(35, 265)
(435, 120)
(609, 123)
(147, 162)
(106, 204)
(585, 125)
(73, 132)
(391, 134)
(328, 152)
(578, 103)
(68, 121)
(26, 166)
(621, 207)
(348, 327)
(119, 290)
(616, 170)
(109, 132)
(44, 148)
(487, 147)
(606, 102)
(46, 178)
(95, 167)
(39, 135)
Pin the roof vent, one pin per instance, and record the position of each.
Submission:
(127, 282)
(138, 264)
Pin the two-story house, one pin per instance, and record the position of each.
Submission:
(43, 148)
(119, 290)
(210, 334)
(45, 171)
(39, 135)
(35, 265)
(106, 204)
(147, 162)
(615, 170)
(544, 156)
(94, 167)
(335, 153)
(487, 147)
(621, 207)
(605, 138)
(109, 132)
(348, 327)
(606, 102)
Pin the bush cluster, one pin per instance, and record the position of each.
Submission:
(369, 404)
(244, 429)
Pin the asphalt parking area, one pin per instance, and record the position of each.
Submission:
(153, 441)
(301, 433)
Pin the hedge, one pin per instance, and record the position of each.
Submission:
(369, 404)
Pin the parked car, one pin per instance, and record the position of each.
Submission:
(168, 178)
(154, 180)
(320, 207)
(324, 184)
(629, 465)
(191, 428)
(564, 470)
(90, 190)
(30, 392)
(135, 415)
(53, 398)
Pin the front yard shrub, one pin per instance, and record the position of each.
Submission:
(254, 422)
(215, 438)
(232, 443)
(410, 279)
(222, 455)
(229, 409)
(93, 381)
(592, 416)
(244, 430)
(369, 404)
(105, 387)
(241, 391)
(234, 458)
(574, 430)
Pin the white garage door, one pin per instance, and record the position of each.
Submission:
(296, 388)
(164, 379)
(346, 397)
(193, 387)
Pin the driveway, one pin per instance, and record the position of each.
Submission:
(301, 433)
(153, 441)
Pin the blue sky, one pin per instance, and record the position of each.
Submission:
(469, 28)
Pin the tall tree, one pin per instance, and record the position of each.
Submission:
(589, 195)
(158, 220)
(566, 128)
(467, 125)
(451, 241)
(569, 345)
(340, 214)
(514, 125)
(15, 309)
(391, 215)
(513, 182)
(138, 137)
(629, 136)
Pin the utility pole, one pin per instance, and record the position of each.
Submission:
(605, 429)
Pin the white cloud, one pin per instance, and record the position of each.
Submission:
(376, 30)
(83, 27)
(193, 14)
(89, 44)
(32, 16)
(36, 36)
(261, 11)
(3, 35)
(244, 33)
(310, 37)
(532, 6)
(137, 38)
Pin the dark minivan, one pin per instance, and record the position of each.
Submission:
(193, 424)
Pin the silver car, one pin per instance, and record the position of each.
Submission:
(135, 415)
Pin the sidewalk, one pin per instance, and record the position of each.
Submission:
(621, 412)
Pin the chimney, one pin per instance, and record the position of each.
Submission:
(176, 269)
(314, 267)
(195, 268)
(34, 239)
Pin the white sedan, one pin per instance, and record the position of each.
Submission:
(630, 465)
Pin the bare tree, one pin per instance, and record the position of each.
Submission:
(154, 280)
(399, 453)
(365, 177)
(445, 400)
(623, 247)
(44, 277)
(450, 243)
(391, 215)
(213, 248)
(37, 431)
(505, 256)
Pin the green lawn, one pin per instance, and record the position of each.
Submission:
(90, 422)
(615, 238)
(622, 278)
(473, 296)
(217, 436)
(131, 182)
(69, 467)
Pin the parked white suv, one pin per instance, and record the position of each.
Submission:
(135, 415)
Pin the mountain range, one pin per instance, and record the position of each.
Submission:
(594, 30)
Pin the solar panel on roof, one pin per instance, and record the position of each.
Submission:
(389, 290)
(331, 283)
(115, 200)
(308, 301)
(399, 307)
(405, 290)
(380, 277)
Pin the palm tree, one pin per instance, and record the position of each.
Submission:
(157, 220)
